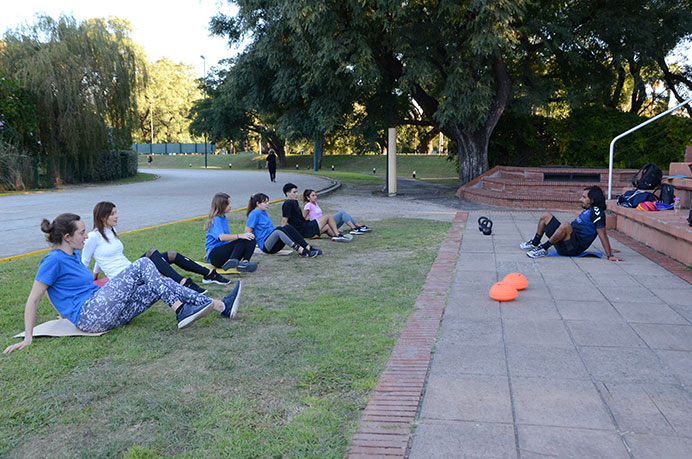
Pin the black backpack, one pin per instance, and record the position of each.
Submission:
(648, 177)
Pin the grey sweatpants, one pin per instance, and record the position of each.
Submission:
(130, 293)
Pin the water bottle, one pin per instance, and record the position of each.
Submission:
(676, 205)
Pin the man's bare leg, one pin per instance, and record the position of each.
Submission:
(540, 231)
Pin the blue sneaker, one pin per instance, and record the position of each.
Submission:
(187, 313)
(230, 264)
(230, 302)
(315, 253)
(246, 267)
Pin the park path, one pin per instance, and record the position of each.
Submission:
(593, 359)
(178, 194)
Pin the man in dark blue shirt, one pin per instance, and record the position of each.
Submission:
(571, 239)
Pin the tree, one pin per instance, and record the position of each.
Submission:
(81, 77)
(451, 65)
(170, 90)
(239, 102)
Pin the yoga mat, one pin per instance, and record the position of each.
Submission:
(282, 252)
(552, 253)
(218, 270)
(56, 328)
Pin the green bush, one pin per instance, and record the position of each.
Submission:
(114, 165)
(584, 139)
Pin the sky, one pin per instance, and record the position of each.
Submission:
(178, 30)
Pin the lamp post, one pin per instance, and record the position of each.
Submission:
(204, 63)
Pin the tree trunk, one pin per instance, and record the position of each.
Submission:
(472, 148)
(472, 151)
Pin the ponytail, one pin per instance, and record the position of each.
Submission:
(62, 225)
(254, 200)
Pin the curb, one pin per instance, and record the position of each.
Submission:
(664, 261)
(385, 424)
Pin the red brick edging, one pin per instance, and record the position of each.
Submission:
(669, 264)
(385, 424)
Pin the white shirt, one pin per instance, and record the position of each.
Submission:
(108, 254)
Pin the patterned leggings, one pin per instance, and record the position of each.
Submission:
(129, 294)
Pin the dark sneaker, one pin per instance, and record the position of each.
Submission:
(314, 253)
(246, 267)
(187, 313)
(216, 278)
(356, 231)
(230, 302)
(363, 229)
(538, 252)
(192, 286)
(341, 238)
(528, 245)
(230, 264)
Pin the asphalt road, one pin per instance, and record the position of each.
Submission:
(178, 194)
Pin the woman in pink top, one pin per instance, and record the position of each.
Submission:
(311, 211)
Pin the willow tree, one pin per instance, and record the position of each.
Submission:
(82, 79)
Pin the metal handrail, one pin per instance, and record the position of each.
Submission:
(612, 143)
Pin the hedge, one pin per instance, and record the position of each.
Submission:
(584, 138)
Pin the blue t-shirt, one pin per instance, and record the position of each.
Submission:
(70, 283)
(219, 226)
(261, 225)
(585, 225)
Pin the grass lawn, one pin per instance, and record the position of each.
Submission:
(287, 378)
(426, 166)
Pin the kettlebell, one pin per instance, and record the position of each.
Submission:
(485, 225)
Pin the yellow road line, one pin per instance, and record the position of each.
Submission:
(37, 252)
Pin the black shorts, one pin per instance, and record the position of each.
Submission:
(311, 228)
(569, 248)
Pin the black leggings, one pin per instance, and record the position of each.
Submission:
(163, 264)
(240, 249)
(282, 236)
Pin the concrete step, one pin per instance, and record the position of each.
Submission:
(664, 231)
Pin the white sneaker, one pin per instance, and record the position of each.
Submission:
(342, 238)
(538, 252)
(528, 245)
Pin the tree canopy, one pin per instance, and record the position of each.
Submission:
(169, 90)
(452, 65)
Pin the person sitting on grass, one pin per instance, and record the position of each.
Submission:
(269, 238)
(106, 248)
(70, 287)
(311, 211)
(226, 250)
(291, 215)
(571, 239)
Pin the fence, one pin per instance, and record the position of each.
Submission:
(170, 148)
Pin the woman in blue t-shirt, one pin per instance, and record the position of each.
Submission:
(269, 238)
(70, 287)
(225, 250)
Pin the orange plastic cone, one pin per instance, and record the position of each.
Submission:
(502, 291)
(518, 281)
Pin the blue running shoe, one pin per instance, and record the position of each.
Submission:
(187, 313)
(231, 301)
(246, 267)
(230, 264)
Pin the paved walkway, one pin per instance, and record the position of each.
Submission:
(593, 359)
(178, 194)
